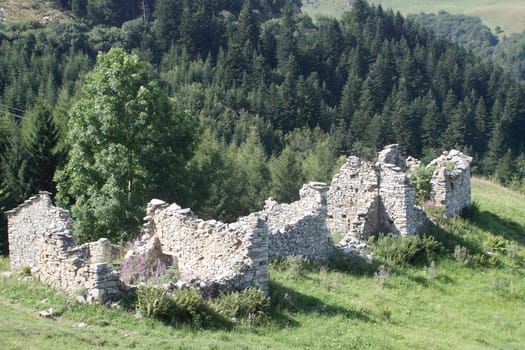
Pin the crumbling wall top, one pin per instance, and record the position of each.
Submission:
(391, 155)
(454, 161)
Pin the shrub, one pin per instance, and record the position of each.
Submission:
(183, 305)
(485, 260)
(189, 306)
(401, 251)
(420, 178)
(497, 244)
(246, 304)
(154, 303)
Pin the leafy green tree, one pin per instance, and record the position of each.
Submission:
(129, 143)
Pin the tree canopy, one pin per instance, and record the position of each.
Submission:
(129, 143)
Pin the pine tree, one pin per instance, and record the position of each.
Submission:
(40, 138)
(287, 176)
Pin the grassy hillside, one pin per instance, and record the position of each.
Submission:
(508, 14)
(26, 10)
(449, 304)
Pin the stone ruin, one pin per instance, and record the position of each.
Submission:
(300, 228)
(364, 198)
(451, 182)
(223, 256)
(40, 238)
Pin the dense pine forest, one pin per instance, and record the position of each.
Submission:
(232, 101)
(508, 51)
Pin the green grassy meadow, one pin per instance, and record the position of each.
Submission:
(450, 304)
(508, 14)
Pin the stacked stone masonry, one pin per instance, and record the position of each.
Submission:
(451, 182)
(396, 193)
(364, 198)
(224, 256)
(39, 238)
(300, 228)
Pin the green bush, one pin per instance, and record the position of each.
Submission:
(402, 251)
(154, 303)
(183, 305)
(485, 260)
(497, 244)
(246, 304)
(420, 178)
(189, 306)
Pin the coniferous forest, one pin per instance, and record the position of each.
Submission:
(217, 105)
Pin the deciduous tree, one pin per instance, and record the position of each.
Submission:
(129, 143)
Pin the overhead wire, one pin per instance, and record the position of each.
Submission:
(9, 112)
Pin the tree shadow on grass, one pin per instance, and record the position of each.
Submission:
(499, 226)
(450, 240)
(288, 301)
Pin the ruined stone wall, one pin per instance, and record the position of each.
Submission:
(451, 182)
(353, 199)
(300, 228)
(27, 224)
(39, 237)
(63, 264)
(365, 199)
(396, 193)
(232, 256)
